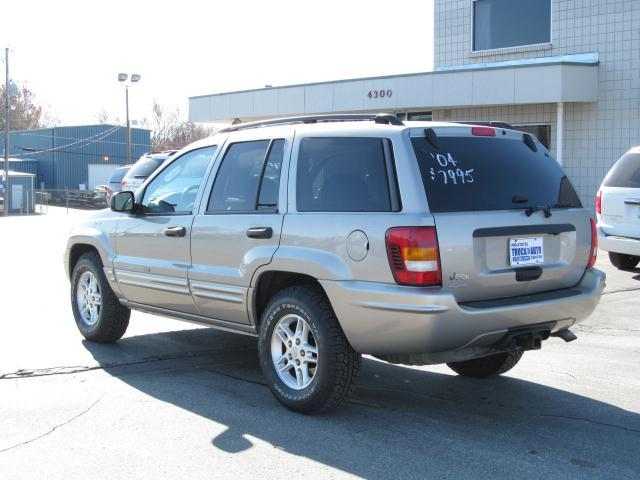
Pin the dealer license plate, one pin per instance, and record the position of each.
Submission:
(526, 251)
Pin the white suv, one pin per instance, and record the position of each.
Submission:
(618, 211)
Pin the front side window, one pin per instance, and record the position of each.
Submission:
(343, 175)
(249, 177)
(510, 23)
(174, 190)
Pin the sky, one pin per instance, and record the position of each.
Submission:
(70, 52)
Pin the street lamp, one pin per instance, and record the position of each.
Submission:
(122, 78)
(11, 102)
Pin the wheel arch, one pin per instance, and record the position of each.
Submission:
(85, 239)
(75, 252)
(270, 282)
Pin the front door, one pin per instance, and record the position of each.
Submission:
(153, 247)
(239, 226)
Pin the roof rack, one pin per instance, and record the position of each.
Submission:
(382, 118)
(490, 123)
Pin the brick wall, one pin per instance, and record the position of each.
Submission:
(595, 134)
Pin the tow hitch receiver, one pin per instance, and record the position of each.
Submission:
(530, 341)
(526, 338)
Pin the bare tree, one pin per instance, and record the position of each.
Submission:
(169, 131)
(28, 114)
(103, 117)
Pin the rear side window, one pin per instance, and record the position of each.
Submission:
(490, 173)
(625, 173)
(344, 175)
(249, 177)
(144, 167)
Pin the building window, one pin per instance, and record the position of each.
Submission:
(510, 23)
(420, 116)
(541, 132)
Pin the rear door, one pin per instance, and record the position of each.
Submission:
(239, 226)
(621, 198)
(508, 220)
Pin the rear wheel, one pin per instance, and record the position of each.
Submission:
(487, 366)
(307, 361)
(622, 261)
(99, 315)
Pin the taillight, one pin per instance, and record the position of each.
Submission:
(594, 244)
(413, 255)
(483, 131)
(124, 184)
(599, 202)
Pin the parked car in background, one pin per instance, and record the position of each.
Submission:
(100, 193)
(143, 168)
(618, 211)
(419, 243)
(115, 182)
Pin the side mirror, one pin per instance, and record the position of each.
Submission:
(123, 202)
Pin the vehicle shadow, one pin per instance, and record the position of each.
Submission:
(401, 422)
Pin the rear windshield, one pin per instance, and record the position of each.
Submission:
(145, 167)
(488, 173)
(625, 173)
(118, 174)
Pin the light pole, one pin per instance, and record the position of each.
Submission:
(122, 78)
(10, 103)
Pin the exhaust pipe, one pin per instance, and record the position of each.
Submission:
(566, 335)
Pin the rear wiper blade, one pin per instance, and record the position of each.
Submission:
(531, 210)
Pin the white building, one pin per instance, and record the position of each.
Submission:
(565, 70)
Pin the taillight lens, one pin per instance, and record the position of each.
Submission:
(124, 183)
(599, 202)
(413, 255)
(594, 244)
(483, 131)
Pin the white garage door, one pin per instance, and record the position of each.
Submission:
(99, 174)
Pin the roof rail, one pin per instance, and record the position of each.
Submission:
(489, 123)
(383, 118)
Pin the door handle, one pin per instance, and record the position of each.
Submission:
(632, 201)
(175, 231)
(260, 232)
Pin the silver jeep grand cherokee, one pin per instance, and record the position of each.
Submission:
(329, 237)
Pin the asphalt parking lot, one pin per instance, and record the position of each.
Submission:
(172, 400)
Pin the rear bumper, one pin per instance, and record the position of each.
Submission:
(613, 243)
(385, 319)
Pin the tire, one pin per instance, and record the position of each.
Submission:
(337, 364)
(487, 366)
(111, 318)
(622, 261)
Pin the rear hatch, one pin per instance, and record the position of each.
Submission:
(508, 220)
(140, 171)
(620, 198)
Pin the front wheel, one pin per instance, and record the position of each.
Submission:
(622, 261)
(99, 315)
(487, 366)
(307, 361)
